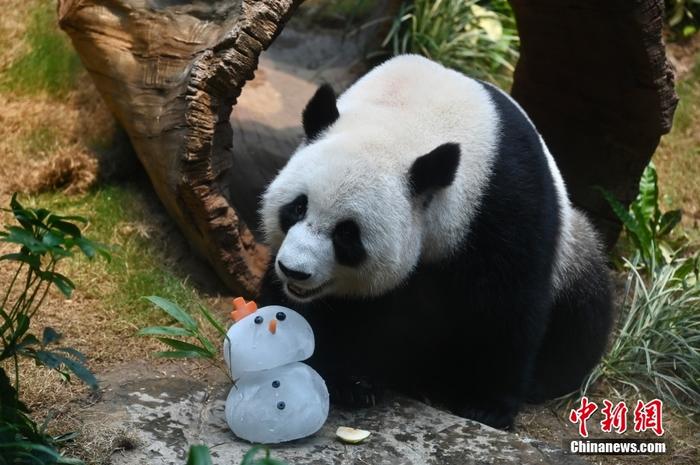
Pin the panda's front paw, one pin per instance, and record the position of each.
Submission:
(497, 416)
(354, 391)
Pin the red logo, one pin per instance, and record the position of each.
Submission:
(647, 416)
(615, 417)
(582, 414)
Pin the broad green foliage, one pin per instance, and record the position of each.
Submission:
(476, 37)
(188, 328)
(50, 63)
(683, 17)
(647, 227)
(656, 346)
(44, 239)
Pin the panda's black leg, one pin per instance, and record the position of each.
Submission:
(354, 391)
(497, 413)
(497, 366)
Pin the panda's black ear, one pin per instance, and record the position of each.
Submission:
(434, 170)
(320, 112)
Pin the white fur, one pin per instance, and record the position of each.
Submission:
(396, 113)
(399, 111)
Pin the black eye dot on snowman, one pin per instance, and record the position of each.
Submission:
(258, 320)
(280, 316)
(281, 405)
(275, 384)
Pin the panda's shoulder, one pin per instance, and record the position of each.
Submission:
(509, 112)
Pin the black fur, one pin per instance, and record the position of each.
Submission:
(293, 212)
(434, 170)
(347, 244)
(320, 112)
(482, 331)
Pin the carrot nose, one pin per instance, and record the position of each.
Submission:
(273, 326)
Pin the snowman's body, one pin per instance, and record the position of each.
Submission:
(275, 398)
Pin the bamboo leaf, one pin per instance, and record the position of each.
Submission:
(185, 346)
(174, 311)
(211, 319)
(164, 331)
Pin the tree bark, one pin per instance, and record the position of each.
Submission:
(171, 71)
(593, 76)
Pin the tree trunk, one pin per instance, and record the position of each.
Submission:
(170, 72)
(593, 76)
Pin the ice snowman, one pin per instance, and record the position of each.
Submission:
(275, 397)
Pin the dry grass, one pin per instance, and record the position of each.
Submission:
(13, 25)
(678, 156)
(41, 134)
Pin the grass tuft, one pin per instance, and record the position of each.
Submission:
(476, 37)
(656, 348)
(50, 65)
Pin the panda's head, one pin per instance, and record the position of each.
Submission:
(347, 214)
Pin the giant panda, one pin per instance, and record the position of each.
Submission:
(424, 230)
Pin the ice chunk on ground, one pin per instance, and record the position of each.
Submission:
(277, 405)
(254, 346)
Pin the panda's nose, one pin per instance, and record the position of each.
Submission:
(293, 274)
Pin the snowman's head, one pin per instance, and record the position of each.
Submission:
(267, 338)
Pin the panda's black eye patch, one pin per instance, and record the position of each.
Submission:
(293, 212)
(347, 244)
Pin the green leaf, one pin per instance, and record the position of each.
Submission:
(644, 231)
(22, 325)
(65, 437)
(51, 240)
(66, 228)
(179, 354)
(48, 359)
(199, 455)
(79, 219)
(50, 335)
(63, 284)
(668, 221)
(647, 200)
(23, 216)
(211, 319)
(80, 370)
(621, 212)
(29, 340)
(174, 311)
(249, 456)
(208, 345)
(32, 260)
(186, 347)
(86, 247)
(73, 352)
(25, 238)
(164, 331)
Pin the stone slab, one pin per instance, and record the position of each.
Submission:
(168, 410)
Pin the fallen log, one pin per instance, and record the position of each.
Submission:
(171, 71)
